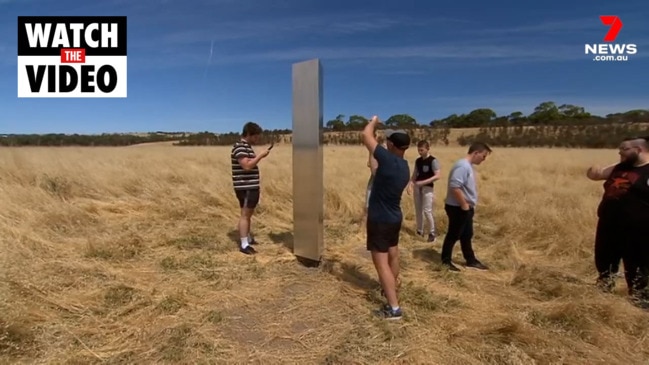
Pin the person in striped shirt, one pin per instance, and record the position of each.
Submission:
(245, 181)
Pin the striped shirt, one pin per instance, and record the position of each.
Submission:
(243, 179)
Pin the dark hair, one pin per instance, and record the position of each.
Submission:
(423, 143)
(479, 147)
(644, 141)
(251, 129)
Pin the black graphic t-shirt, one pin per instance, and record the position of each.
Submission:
(626, 194)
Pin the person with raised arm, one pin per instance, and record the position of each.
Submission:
(384, 215)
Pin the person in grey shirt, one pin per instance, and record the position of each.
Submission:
(461, 199)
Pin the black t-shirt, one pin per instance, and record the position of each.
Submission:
(626, 194)
(426, 168)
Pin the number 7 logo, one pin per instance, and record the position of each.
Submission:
(615, 25)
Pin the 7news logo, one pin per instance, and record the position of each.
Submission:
(72, 57)
(610, 51)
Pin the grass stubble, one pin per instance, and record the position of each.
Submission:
(129, 255)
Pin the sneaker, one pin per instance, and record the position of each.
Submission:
(450, 266)
(248, 250)
(431, 237)
(477, 265)
(386, 312)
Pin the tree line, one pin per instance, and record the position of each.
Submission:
(212, 139)
(84, 140)
(549, 124)
(565, 136)
(546, 113)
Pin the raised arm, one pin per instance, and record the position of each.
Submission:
(369, 140)
(372, 163)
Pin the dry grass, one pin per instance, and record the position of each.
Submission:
(122, 255)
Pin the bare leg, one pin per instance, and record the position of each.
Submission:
(386, 277)
(244, 226)
(244, 221)
(393, 258)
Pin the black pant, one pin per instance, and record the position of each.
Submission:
(247, 198)
(636, 259)
(382, 236)
(608, 247)
(460, 227)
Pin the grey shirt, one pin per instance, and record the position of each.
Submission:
(461, 176)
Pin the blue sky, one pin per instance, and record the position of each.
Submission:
(428, 59)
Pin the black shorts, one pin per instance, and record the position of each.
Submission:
(382, 236)
(247, 198)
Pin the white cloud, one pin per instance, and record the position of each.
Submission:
(418, 58)
(544, 28)
(308, 28)
(467, 51)
(274, 28)
(502, 46)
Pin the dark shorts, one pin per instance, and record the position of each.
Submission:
(247, 198)
(382, 236)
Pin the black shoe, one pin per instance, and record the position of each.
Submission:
(249, 250)
(450, 266)
(253, 242)
(477, 265)
(386, 312)
(431, 237)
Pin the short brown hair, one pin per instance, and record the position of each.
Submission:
(251, 129)
(423, 143)
(479, 147)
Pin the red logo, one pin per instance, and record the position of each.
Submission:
(615, 25)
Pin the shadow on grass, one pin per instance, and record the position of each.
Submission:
(283, 238)
(427, 255)
(354, 275)
(409, 230)
(233, 235)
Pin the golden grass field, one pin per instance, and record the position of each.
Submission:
(128, 256)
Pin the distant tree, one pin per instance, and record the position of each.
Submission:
(337, 124)
(404, 121)
(356, 123)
